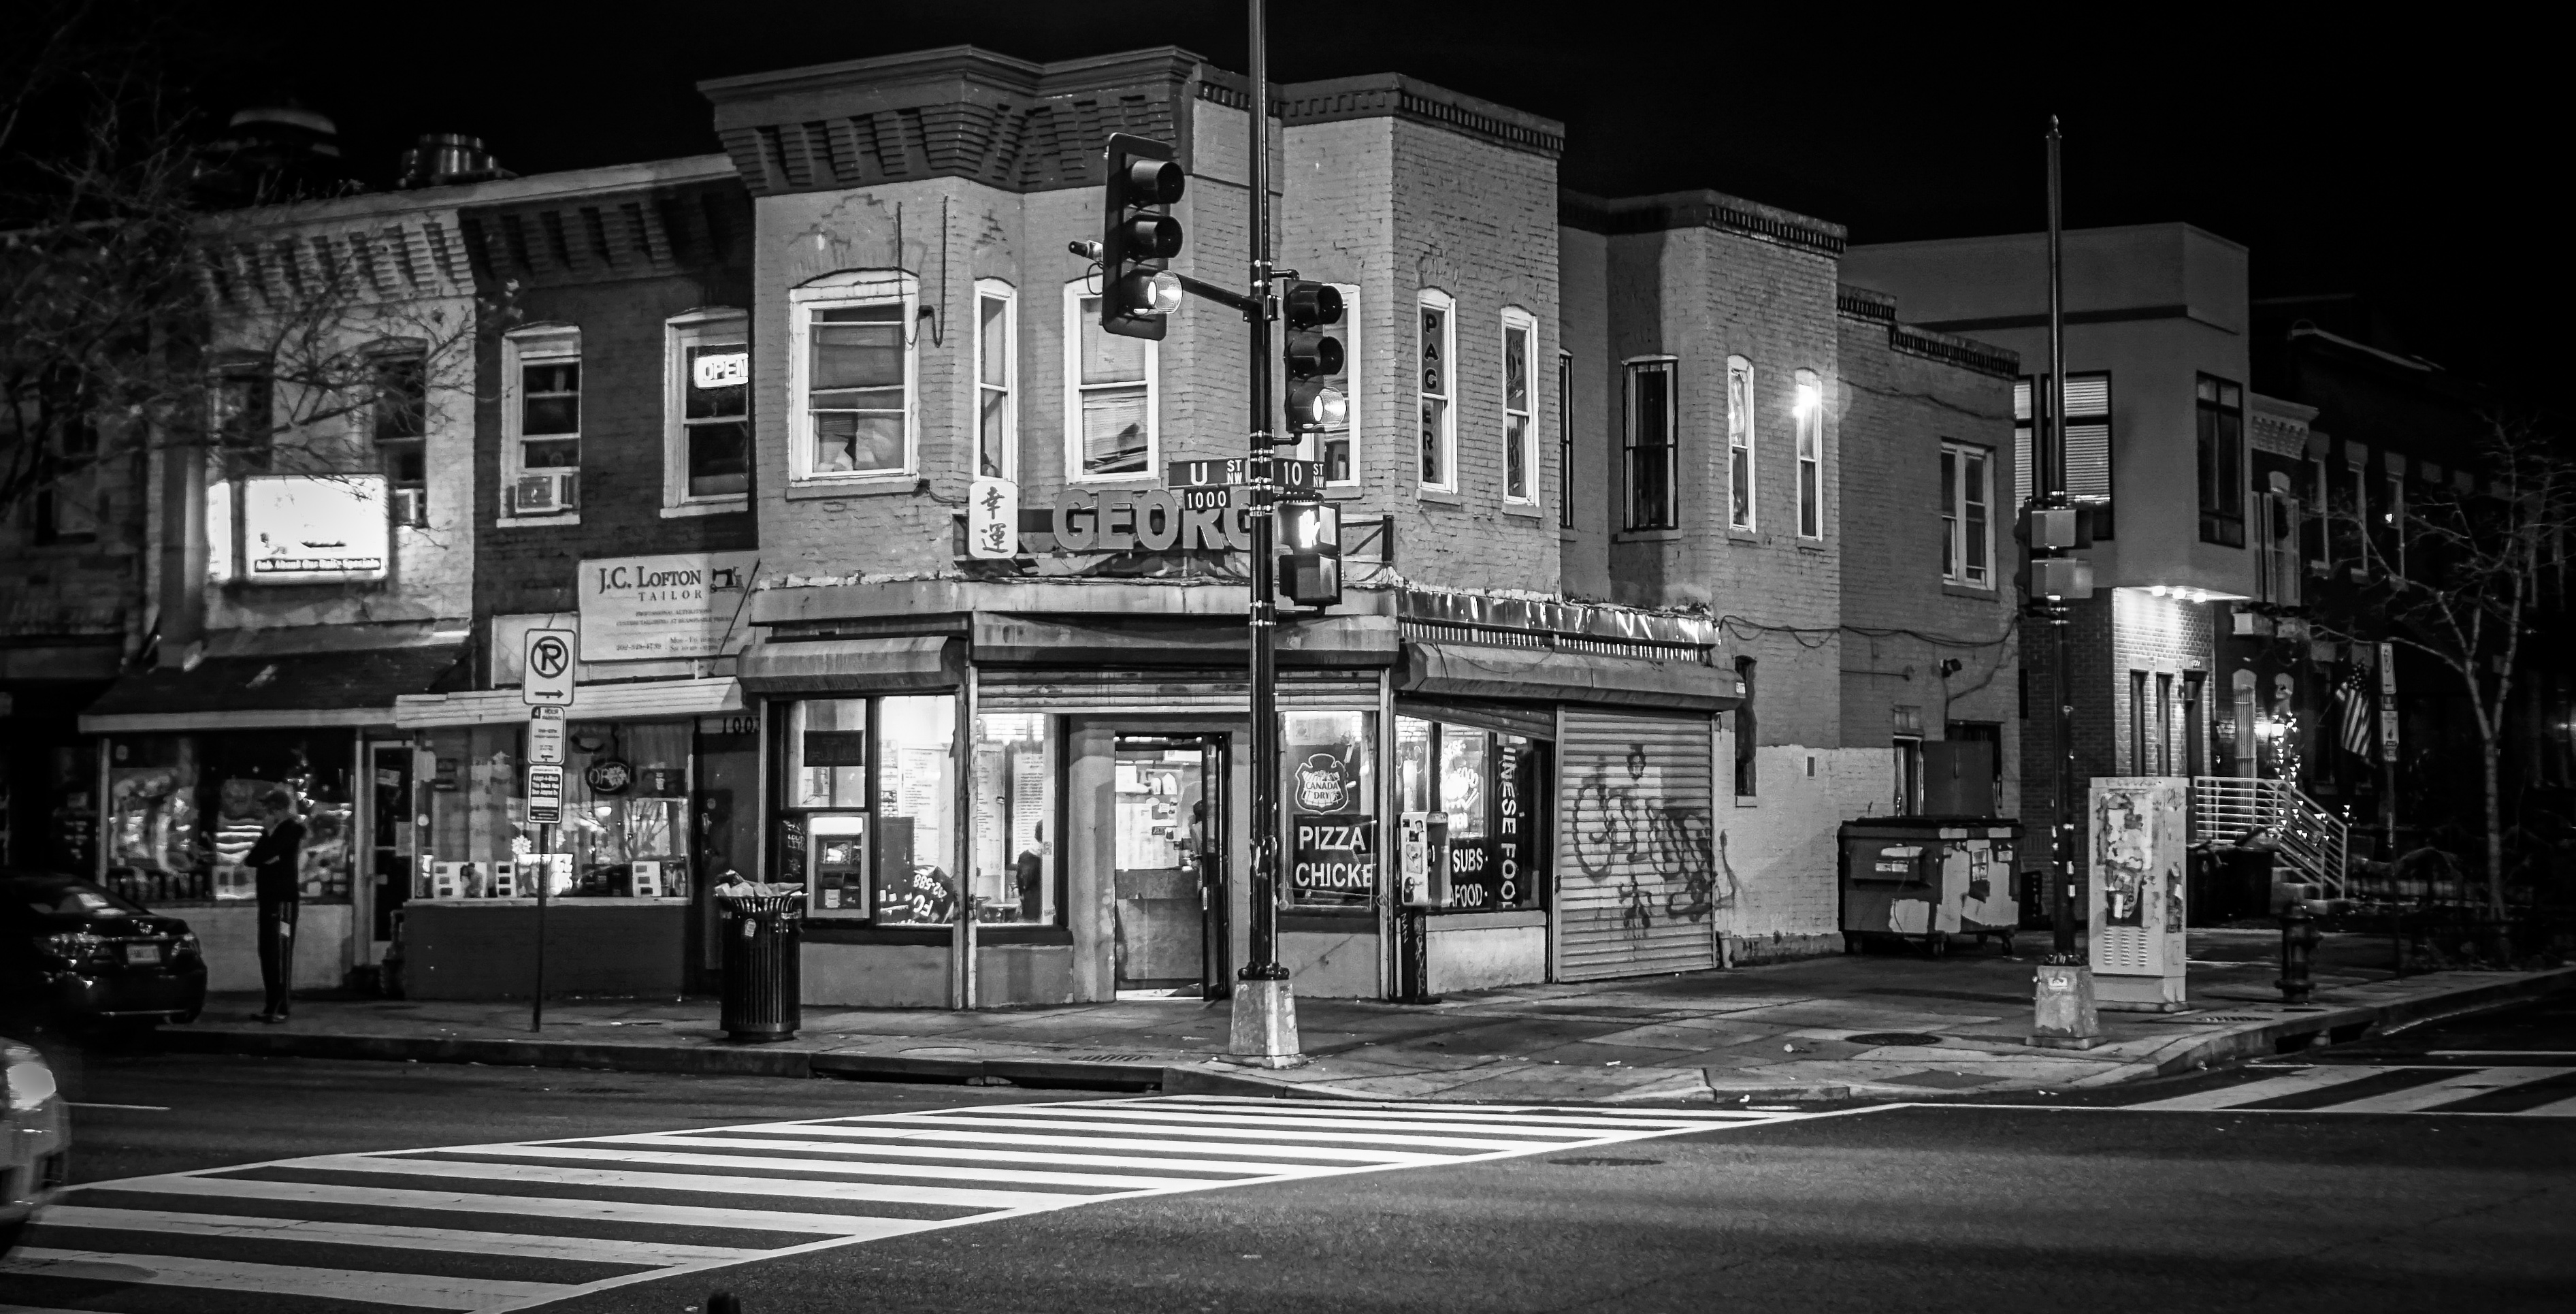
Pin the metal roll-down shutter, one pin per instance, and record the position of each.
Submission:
(1636, 858)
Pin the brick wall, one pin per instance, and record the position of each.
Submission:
(1898, 409)
(1779, 893)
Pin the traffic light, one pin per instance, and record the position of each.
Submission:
(1314, 357)
(1311, 535)
(1137, 237)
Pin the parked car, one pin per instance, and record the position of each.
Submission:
(85, 958)
(35, 1159)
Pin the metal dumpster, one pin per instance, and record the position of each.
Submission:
(1929, 879)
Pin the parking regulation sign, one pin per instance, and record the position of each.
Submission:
(546, 736)
(548, 678)
(545, 795)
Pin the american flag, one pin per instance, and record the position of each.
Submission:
(2356, 717)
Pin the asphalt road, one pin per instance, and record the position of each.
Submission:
(1962, 1206)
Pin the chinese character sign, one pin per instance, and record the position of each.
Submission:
(993, 519)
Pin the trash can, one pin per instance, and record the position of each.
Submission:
(761, 979)
(1928, 879)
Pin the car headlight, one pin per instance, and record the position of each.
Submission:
(30, 1082)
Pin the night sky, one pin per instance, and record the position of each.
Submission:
(2406, 165)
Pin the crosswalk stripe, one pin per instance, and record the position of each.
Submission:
(1249, 1120)
(2295, 1083)
(711, 1183)
(925, 1135)
(421, 1290)
(1296, 1137)
(856, 1141)
(520, 1245)
(862, 1227)
(688, 1150)
(516, 1201)
(2449, 1090)
(2565, 1108)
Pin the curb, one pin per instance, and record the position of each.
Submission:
(698, 1060)
(2289, 1035)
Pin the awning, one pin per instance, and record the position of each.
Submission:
(1337, 641)
(633, 701)
(276, 691)
(1465, 670)
(913, 663)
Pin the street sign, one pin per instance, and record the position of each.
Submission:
(1218, 498)
(548, 678)
(992, 519)
(545, 795)
(2387, 702)
(1294, 477)
(546, 735)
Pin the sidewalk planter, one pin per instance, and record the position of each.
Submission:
(760, 965)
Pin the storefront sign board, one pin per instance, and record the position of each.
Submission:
(546, 736)
(1334, 858)
(665, 606)
(545, 795)
(546, 671)
(302, 529)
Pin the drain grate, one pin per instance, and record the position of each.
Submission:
(1107, 1058)
(1598, 1161)
(2214, 1017)
(1893, 1038)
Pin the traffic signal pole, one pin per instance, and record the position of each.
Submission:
(1264, 1031)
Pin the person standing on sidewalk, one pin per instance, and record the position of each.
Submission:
(274, 862)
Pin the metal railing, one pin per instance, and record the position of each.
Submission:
(2308, 844)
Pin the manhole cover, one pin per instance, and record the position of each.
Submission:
(1108, 1058)
(1604, 1162)
(1893, 1038)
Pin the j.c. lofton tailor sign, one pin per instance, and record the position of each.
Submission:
(671, 605)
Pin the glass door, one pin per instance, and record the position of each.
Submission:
(1168, 819)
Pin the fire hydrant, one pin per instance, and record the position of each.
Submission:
(2299, 938)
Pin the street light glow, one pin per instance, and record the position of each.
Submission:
(1809, 398)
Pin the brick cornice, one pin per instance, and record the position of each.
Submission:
(1950, 349)
(1393, 95)
(1701, 209)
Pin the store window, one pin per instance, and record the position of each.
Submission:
(869, 811)
(184, 810)
(627, 831)
(1329, 762)
(1478, 795)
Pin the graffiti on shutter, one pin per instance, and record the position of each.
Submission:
(1640, 874)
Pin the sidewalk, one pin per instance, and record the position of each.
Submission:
(1874, 1026)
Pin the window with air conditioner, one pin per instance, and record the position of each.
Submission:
(541, 414)
(398, 421)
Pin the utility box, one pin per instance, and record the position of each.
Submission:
(1929, 880)
(2134, 890)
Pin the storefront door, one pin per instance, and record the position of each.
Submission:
(1169, 904)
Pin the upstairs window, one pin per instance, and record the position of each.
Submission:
(541, 421)
(1652, 445)
(1438, 353)
(1520, 404)
(1967, 519)
(398, 417)
(1110, 399)
(241, 416)
(851, 379)
(2088, 441)
(997, 379)
(2220, 407)
(70, 499)
(706, 411)
(1740, 505)
(1809, 410)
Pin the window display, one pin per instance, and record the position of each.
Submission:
(627, 830)
(1015, 817)
(1491, 789)
(1330, 763)
(183, 811)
